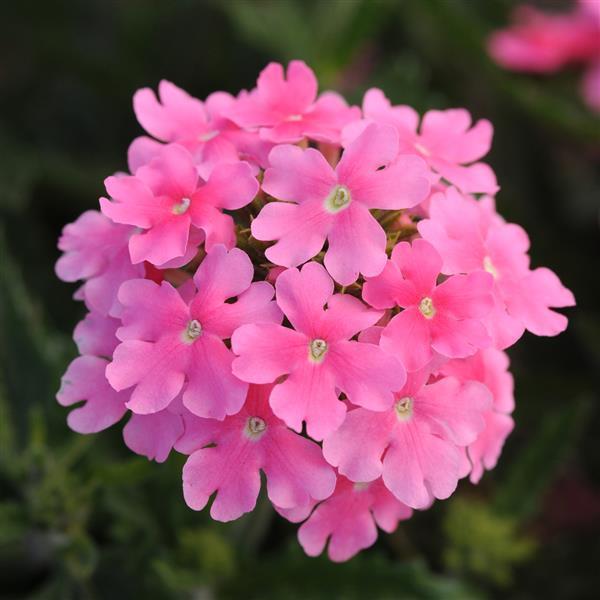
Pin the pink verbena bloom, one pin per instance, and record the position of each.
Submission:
(167, 342)
(288, 110)
(490, 367)
(415, 445)
(470, 236)
(95, 250)
(349, 519)
(170, 203)
(96, 335)
(316, 355)
(446, 139)
(201, 127)
(227, 459)
(544, 42)
(445, 318)
(326, 204)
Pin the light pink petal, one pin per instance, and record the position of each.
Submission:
(213, 391)
(387, 509)
(407, 337)
(346, 316)
(366, 374)
(232, 470)
(141, 151)
(156, 371)
(229, 186)
(197, 432)
(419, 263)
(172, 173)
(154, 435)
(357, 446)
(89, 244)
(302, 295)
(326, 118)
(376, 147)
(486, 449)
(478, 178)
(465, 296)
(457, 409)
(172, 117)
(458, 339)
(308, 394)
(300, 231)
(150, 310)
(533, 297)
(218, 227)
(255, 305)
(162, 243)
(296, 470)
(297, 175)
(342, 260)
(222, 275)
(100, 292)
(504, 329)
(96, 335)
(267, 351)
(389, 288)
(85, 380)
(419, 466)
(403, 184)
(133, 203)
(344, 520)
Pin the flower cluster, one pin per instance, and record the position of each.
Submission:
(288, 284)
(540, 42)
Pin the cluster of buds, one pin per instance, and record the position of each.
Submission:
(288, 284)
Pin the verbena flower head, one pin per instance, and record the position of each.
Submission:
(545, 42)
(276, 287)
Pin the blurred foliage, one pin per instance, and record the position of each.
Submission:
(80, 516)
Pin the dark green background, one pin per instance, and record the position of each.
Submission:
(80, 516)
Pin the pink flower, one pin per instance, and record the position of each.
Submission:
(167, 201)
(444, 318)
(489, 367)
(85, 380)
(95, 250)
(326, 204)
(201, 127)
(414, 446)
(167, 341)
(316, 355)
(287, 110)
(544, 42)
(349, 519)
(445, 139)
(228, 460)
(470, 236)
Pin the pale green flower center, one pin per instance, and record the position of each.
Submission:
(318, 348)
(404, 408)
(209, 135)
(426, 307)
(192, 331)
(255, 427)
(420, 148)
(338, 199)
(181, 207)
(488, 265)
